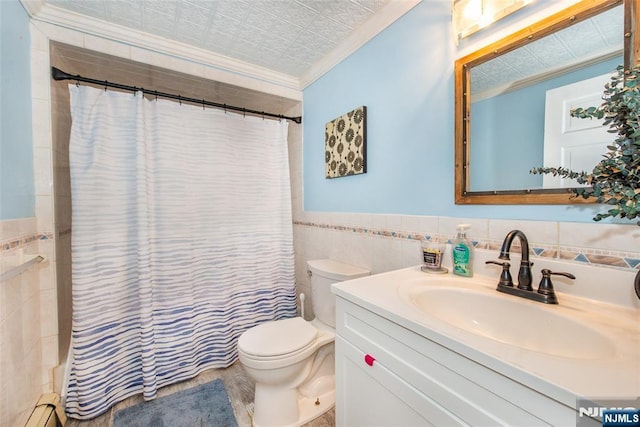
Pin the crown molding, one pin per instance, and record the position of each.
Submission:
(44, 12)
(390, 13)
(32, 6)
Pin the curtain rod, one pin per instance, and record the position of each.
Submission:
(58, 74)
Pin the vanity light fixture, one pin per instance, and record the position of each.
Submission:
(470, 16)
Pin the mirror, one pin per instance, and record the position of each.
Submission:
(503, 92)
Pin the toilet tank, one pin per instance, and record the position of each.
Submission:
(322, 273)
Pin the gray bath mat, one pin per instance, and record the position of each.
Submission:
(205, 405)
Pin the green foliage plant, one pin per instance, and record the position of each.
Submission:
(615, 180)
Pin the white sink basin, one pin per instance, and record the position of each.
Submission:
(508, 319)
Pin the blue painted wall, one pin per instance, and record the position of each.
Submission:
(16, 147)
(405, 78)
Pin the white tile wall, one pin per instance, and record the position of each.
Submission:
(538, 232)
(20, 326)
(608, 237)
(43, 180)
(479, 229)
(320, 236)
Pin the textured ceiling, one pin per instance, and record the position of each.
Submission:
(290, 36)
(588, 41)
(286, 36)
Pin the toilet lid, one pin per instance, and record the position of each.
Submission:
(277, 337)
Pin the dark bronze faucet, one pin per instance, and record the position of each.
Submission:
(545, 292)
(524, 275)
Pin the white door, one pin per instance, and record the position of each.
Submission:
(570, 142)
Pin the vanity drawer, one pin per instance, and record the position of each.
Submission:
(458, 385)
(372, 395)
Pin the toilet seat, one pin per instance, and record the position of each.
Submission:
(277, 339)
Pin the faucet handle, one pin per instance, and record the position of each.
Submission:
(546, 287)
(505, 276)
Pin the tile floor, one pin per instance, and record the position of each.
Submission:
(239, 388)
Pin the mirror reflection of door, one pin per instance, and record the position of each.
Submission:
(571, 142)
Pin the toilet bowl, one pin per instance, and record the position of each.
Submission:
(292, 360)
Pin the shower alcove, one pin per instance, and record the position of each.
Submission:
(96, 65)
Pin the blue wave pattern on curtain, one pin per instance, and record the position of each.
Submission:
(182, 239)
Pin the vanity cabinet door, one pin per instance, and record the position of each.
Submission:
(371, 395)
(424, 379)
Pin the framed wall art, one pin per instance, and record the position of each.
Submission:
(345, 144)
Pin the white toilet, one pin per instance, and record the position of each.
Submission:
(292, 360)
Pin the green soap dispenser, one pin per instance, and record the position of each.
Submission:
(462, 253)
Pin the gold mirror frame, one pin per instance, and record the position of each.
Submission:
(576, 13)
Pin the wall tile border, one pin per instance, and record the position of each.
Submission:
(22, 241)
(592, 256)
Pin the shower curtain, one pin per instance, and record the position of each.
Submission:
(182, 239)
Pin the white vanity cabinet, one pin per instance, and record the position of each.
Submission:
(388, 375)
